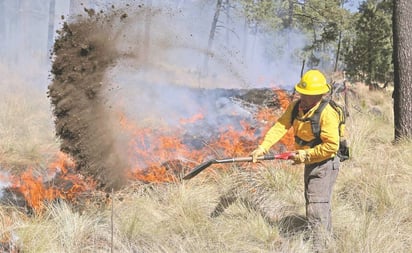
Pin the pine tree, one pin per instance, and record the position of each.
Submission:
(368, 56)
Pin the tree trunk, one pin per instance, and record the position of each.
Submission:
(147, 26)
(212, 35)
(228, 22)
(50, 37)
(290, 14)
(402, 55)
(245, 40)
(3, 29)
(338, 52)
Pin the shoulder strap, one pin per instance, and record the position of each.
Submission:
(342, 116)
(295, 112)
(315, 119)
(340, 109)
(315, 124)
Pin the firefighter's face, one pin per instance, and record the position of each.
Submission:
(308, 101)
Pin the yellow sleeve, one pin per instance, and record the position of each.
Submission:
(329, 122)
(277, 131)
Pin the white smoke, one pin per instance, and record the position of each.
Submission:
(238, 57)
(4, 182)
(156, 81)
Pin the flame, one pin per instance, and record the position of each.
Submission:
(160, 154)
(193, 119)
(60, 183)
(283, 98)
(268, 116)
(157, 154)
(288, 140)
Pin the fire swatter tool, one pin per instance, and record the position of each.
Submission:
(204, 165)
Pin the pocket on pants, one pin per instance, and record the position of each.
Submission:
(319, 171)
(319, 183)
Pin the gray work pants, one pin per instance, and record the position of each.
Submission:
(319, 181)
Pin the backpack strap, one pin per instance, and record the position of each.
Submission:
(315, 119)
(314, 122)
(295, 111)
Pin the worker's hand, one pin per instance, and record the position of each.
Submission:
(256, 153)
(300, 156)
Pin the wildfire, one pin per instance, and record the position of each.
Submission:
(283, 98)
(159, 155)
(60, 183)
(156, 155)
(193, 119)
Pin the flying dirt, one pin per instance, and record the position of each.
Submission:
(82, 55)
(109, 66)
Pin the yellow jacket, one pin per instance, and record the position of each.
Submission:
(329, 124)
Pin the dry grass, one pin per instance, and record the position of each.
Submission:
(26, 126)
(371, 202)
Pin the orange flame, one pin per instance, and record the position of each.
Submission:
(150, 148)
(193, 119)
(156, 155)
(64, 183)
(283, 98)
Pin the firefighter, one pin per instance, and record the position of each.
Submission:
(319, 155)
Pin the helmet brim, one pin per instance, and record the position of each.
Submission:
(311, 92)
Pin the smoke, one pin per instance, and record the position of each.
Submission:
(27, 33)
(154, 64)
(155, 80)
(238, 58)
(4, 182)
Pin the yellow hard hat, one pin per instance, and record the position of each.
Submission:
(313, 82)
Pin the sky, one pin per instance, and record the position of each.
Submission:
(353, 5)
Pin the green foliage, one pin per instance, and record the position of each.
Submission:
(263, 13)
(368, 55)
(323, 21)
(363, 39)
